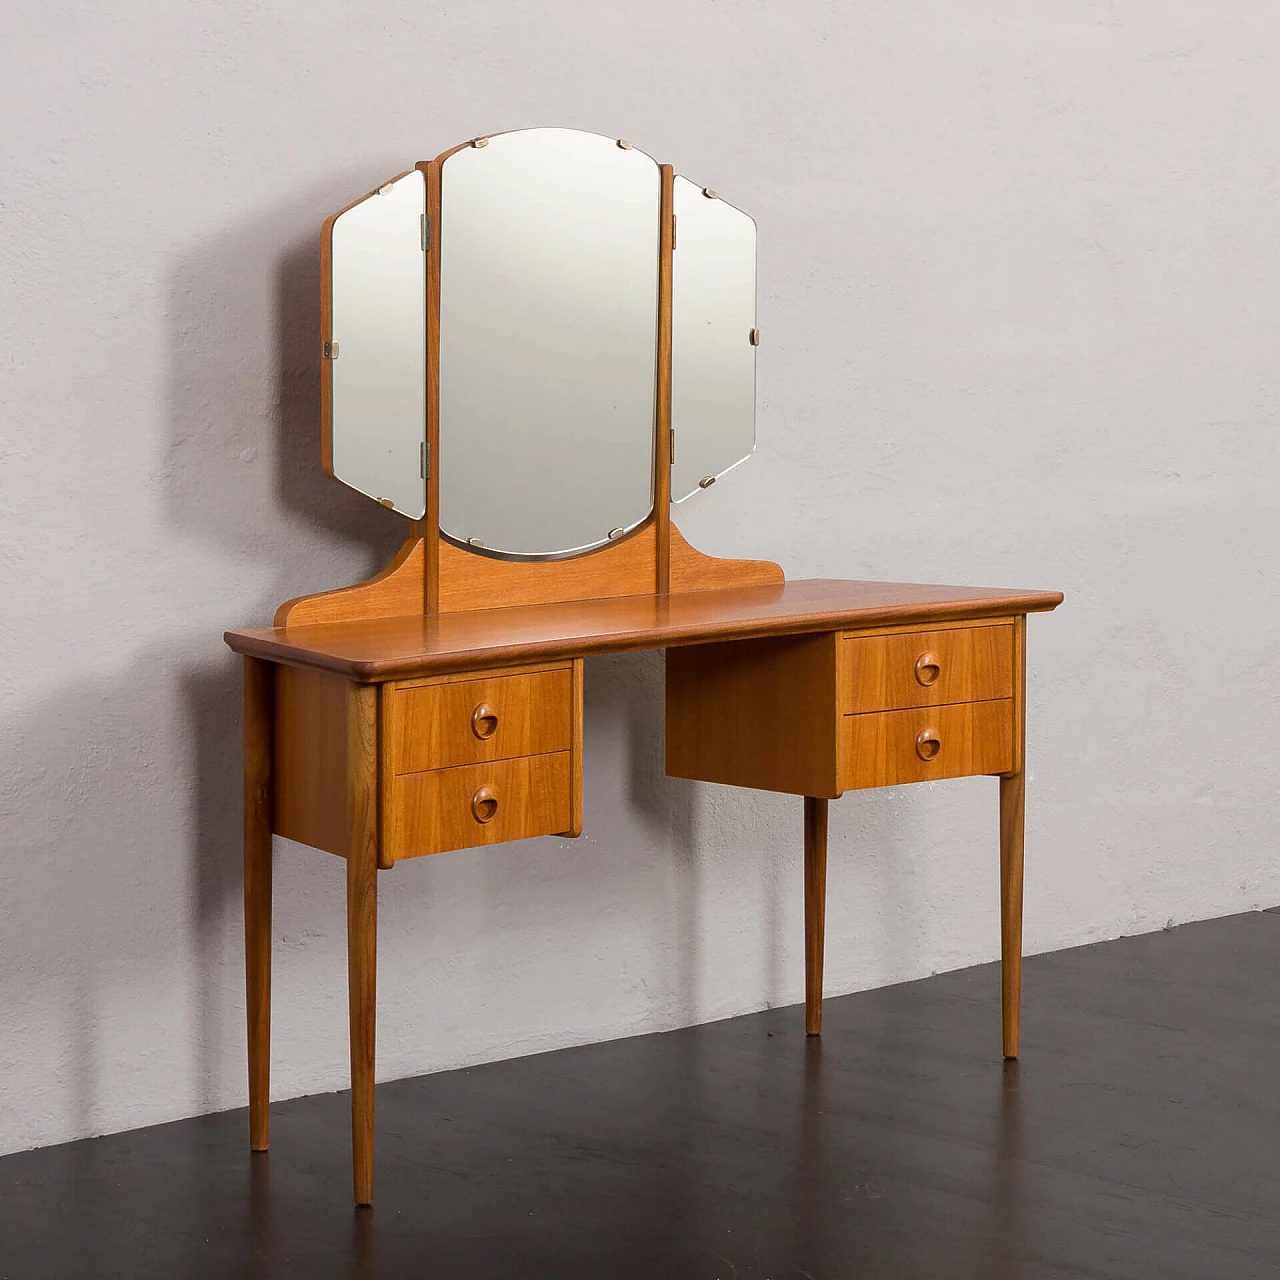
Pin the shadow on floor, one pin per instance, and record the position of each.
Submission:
(1136, 1138)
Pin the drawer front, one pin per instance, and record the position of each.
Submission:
(887, 748)
(439, 726)
(480, 804)
(926, 668)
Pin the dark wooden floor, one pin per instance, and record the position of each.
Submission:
(1139, 1136)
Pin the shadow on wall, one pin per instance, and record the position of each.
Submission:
(106, 782)
(244, 392)
(631, 688)
(244, 376)
(113, 777)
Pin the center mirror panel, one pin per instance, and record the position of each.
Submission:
(548, 341)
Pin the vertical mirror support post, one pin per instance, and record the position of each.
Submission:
(662, 401)
(429, 526)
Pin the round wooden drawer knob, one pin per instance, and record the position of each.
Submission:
(928, 668)
(484, 804)
(928, 744)
(484, 721)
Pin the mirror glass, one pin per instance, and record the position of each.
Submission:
(548, 341)
(378, 373)
(713, 336)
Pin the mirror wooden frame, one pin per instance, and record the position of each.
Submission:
(433, 574)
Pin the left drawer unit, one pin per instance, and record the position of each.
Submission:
(480, 758)
(461, 760)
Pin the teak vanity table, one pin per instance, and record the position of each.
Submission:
(516, 336)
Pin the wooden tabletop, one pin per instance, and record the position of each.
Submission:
(396, 648)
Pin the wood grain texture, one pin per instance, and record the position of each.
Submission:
(662, 397)
(326, 335)
(404, 647)
(755, 713)
(432, 812)
(257, 727)
(311, 758)
(1019, 692)
(1012, 809)
(470, 581)
(575, 761)
(1012, 822)
(953, 624)
(690, 570)
(431, 520)
(432, 724)
(815, 909)
(888, 673)
(879, 749)
(396, 591)
(361, 794)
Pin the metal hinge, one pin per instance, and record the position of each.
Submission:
(673, 446)
(424, 460)
(673, 233)
(426, 233)
(330, 351)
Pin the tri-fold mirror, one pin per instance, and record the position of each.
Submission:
(536, 332)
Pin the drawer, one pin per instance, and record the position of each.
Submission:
(886, 748)
(479, 804)
(926, 668)
(449, 723)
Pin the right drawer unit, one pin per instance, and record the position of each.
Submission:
(921, 705)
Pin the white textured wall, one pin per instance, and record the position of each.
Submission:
(1020, 299)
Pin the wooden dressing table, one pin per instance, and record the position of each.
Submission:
(439, 705)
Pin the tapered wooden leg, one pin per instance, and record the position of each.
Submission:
(258, 726)
(815, 909)
(1012, 804)
(362, 924)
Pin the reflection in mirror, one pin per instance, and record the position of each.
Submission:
(377, 353)
(713, 336)
(548, 336)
